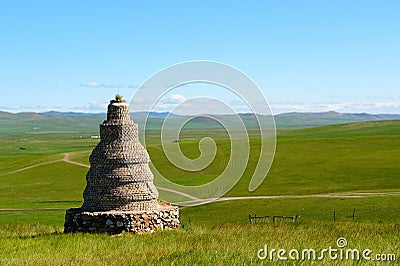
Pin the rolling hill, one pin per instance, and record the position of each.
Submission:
(86, 122)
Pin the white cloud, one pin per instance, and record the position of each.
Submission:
(95, 84)
(91, 107)
(29, 108)
(176, 98)
(204, 105)
(179, 104)
(165, 104)
(381, 97)
(207, 106)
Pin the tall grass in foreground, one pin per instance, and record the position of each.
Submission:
(227, 244)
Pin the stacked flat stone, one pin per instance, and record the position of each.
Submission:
(166, 217)
(119, 182)
(119, 177)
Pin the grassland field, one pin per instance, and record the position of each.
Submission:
(338, 160)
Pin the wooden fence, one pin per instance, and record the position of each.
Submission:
(276, 218)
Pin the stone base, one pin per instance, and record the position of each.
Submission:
(114, 222)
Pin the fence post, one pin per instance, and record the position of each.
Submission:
(354, 212)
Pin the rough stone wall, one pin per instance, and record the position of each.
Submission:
(119, 177)
(116, 222)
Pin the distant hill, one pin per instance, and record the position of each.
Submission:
(53, 121)
(39, 123)
(328, 118)
(5, 115)
(71, 113)
(369, 128)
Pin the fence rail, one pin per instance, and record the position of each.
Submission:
(276, 218)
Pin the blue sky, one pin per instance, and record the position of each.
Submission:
(304, 55)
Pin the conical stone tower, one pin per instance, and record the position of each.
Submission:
(119, 177)
(120, 194)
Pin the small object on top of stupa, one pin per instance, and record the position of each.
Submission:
(119, 183)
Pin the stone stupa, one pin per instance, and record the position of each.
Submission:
(120, 194)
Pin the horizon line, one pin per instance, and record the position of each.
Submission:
(202, 114)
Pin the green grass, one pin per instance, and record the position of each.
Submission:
(229, 244)
(31, 218)
(353, 157)
(49, 186)
(379, 209)
(308, 166)
(39, 148)
(360, 156)
(368, 210)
